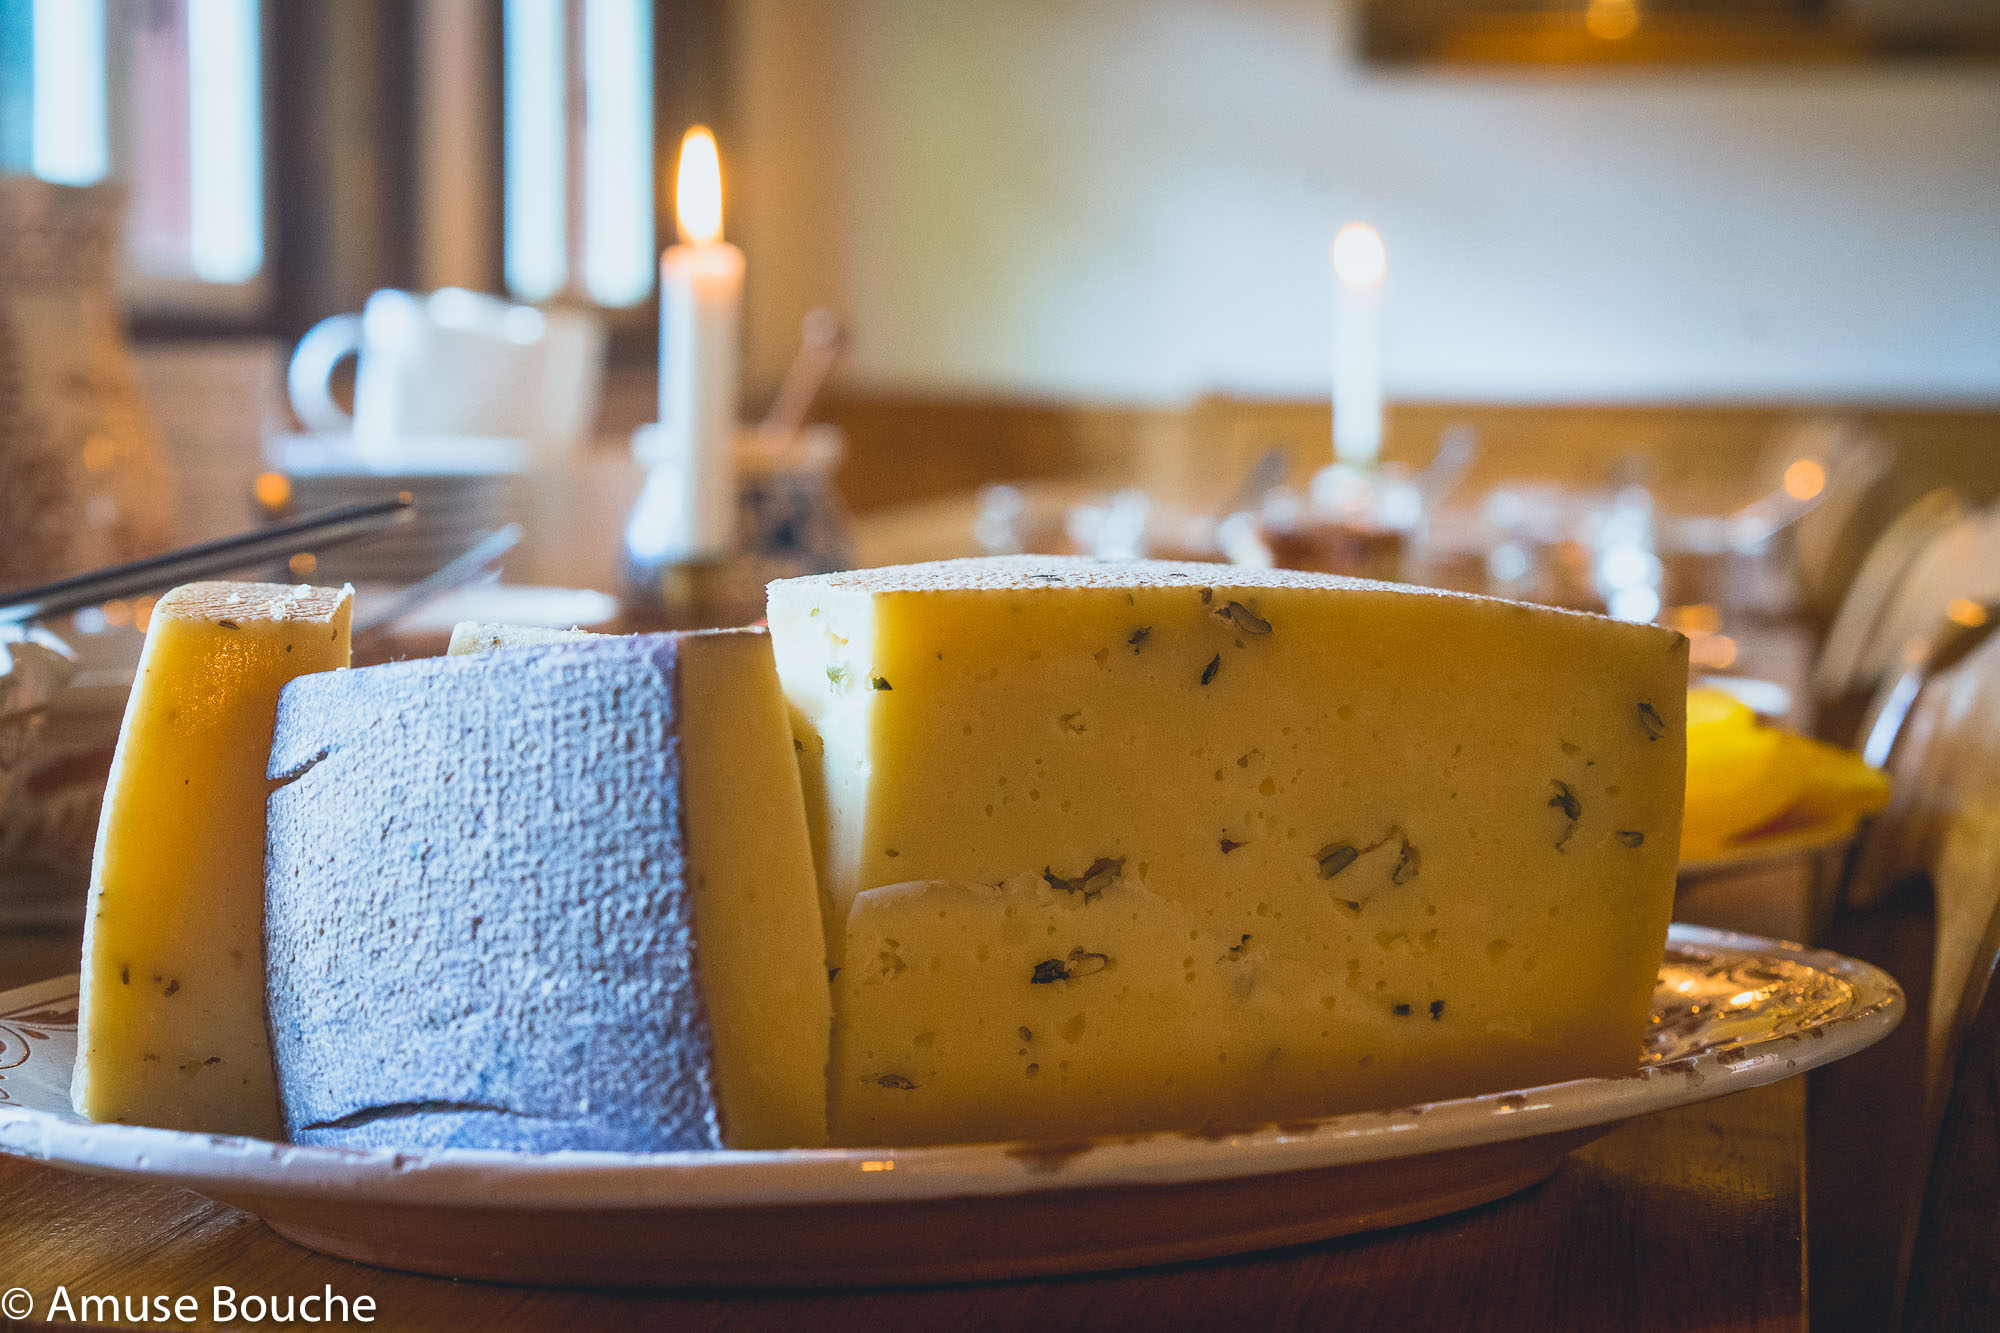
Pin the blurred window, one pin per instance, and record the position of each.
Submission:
(415, 143)
(67, 77)
(165, 96)
(578, 77)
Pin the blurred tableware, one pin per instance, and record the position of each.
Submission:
(1458, 447)
(488, 603)
(1751, 561)
(1766, 698)
(327, 527)
(53, 768)
(1354, 546)
(83, 480)
(478, 563)
(453, 363)
(1133, 524)
(464, 488)
(789, 518)
(1265, 475)
(820, 336)
(1015, 520)
(1351, 520)
(34, 668)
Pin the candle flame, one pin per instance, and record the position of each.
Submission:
(698, 189)
(1358, 257)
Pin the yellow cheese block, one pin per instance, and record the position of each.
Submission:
(1113, 846)
(171, 1026)
(756, 905)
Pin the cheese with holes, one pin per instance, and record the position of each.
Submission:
(1122, 845)
(551, 896)
(171, 1026)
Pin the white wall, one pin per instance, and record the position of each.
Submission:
(1133, 200)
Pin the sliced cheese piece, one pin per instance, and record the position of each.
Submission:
(559, 897)
(472, 636)
(1112, 846)
(170, 1031)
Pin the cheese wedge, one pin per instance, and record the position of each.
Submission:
(555, 897)
(472, 636)
(170, 1031)
(1117, 846)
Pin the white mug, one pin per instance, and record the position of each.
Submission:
(453, 363)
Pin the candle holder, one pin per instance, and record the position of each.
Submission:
(787, 519)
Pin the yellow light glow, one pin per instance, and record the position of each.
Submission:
(272, 489)
(1805, 478)
(878, 1166)
(1695, 619)
(1611, 19)
(142, 613)
(302, 564)
(117, 614)
(99, 453)
(698, 189)
(1359, 259)
(1714, 651)
(1964, 611)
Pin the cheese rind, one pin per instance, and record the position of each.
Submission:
(557, 897)
(1266, 845)
(170, 1029)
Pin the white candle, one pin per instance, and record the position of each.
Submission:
(1359, 262)
(701, 295)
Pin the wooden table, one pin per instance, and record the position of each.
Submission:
(1688, 1219)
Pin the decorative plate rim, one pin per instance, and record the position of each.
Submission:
(243, 1168)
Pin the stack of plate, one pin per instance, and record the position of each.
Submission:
(464, 487)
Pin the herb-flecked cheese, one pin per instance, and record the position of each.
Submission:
(550, 896)
(1120, 845)
(170, 1031)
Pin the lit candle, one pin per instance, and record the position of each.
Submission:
(701, 294)
(1359, 262)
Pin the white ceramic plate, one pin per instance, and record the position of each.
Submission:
(1731, 1012)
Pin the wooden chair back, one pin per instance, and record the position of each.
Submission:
(1840, 467)
(1926, 889)
(1954, 1281)
(1837, 672)
(1961, 564)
